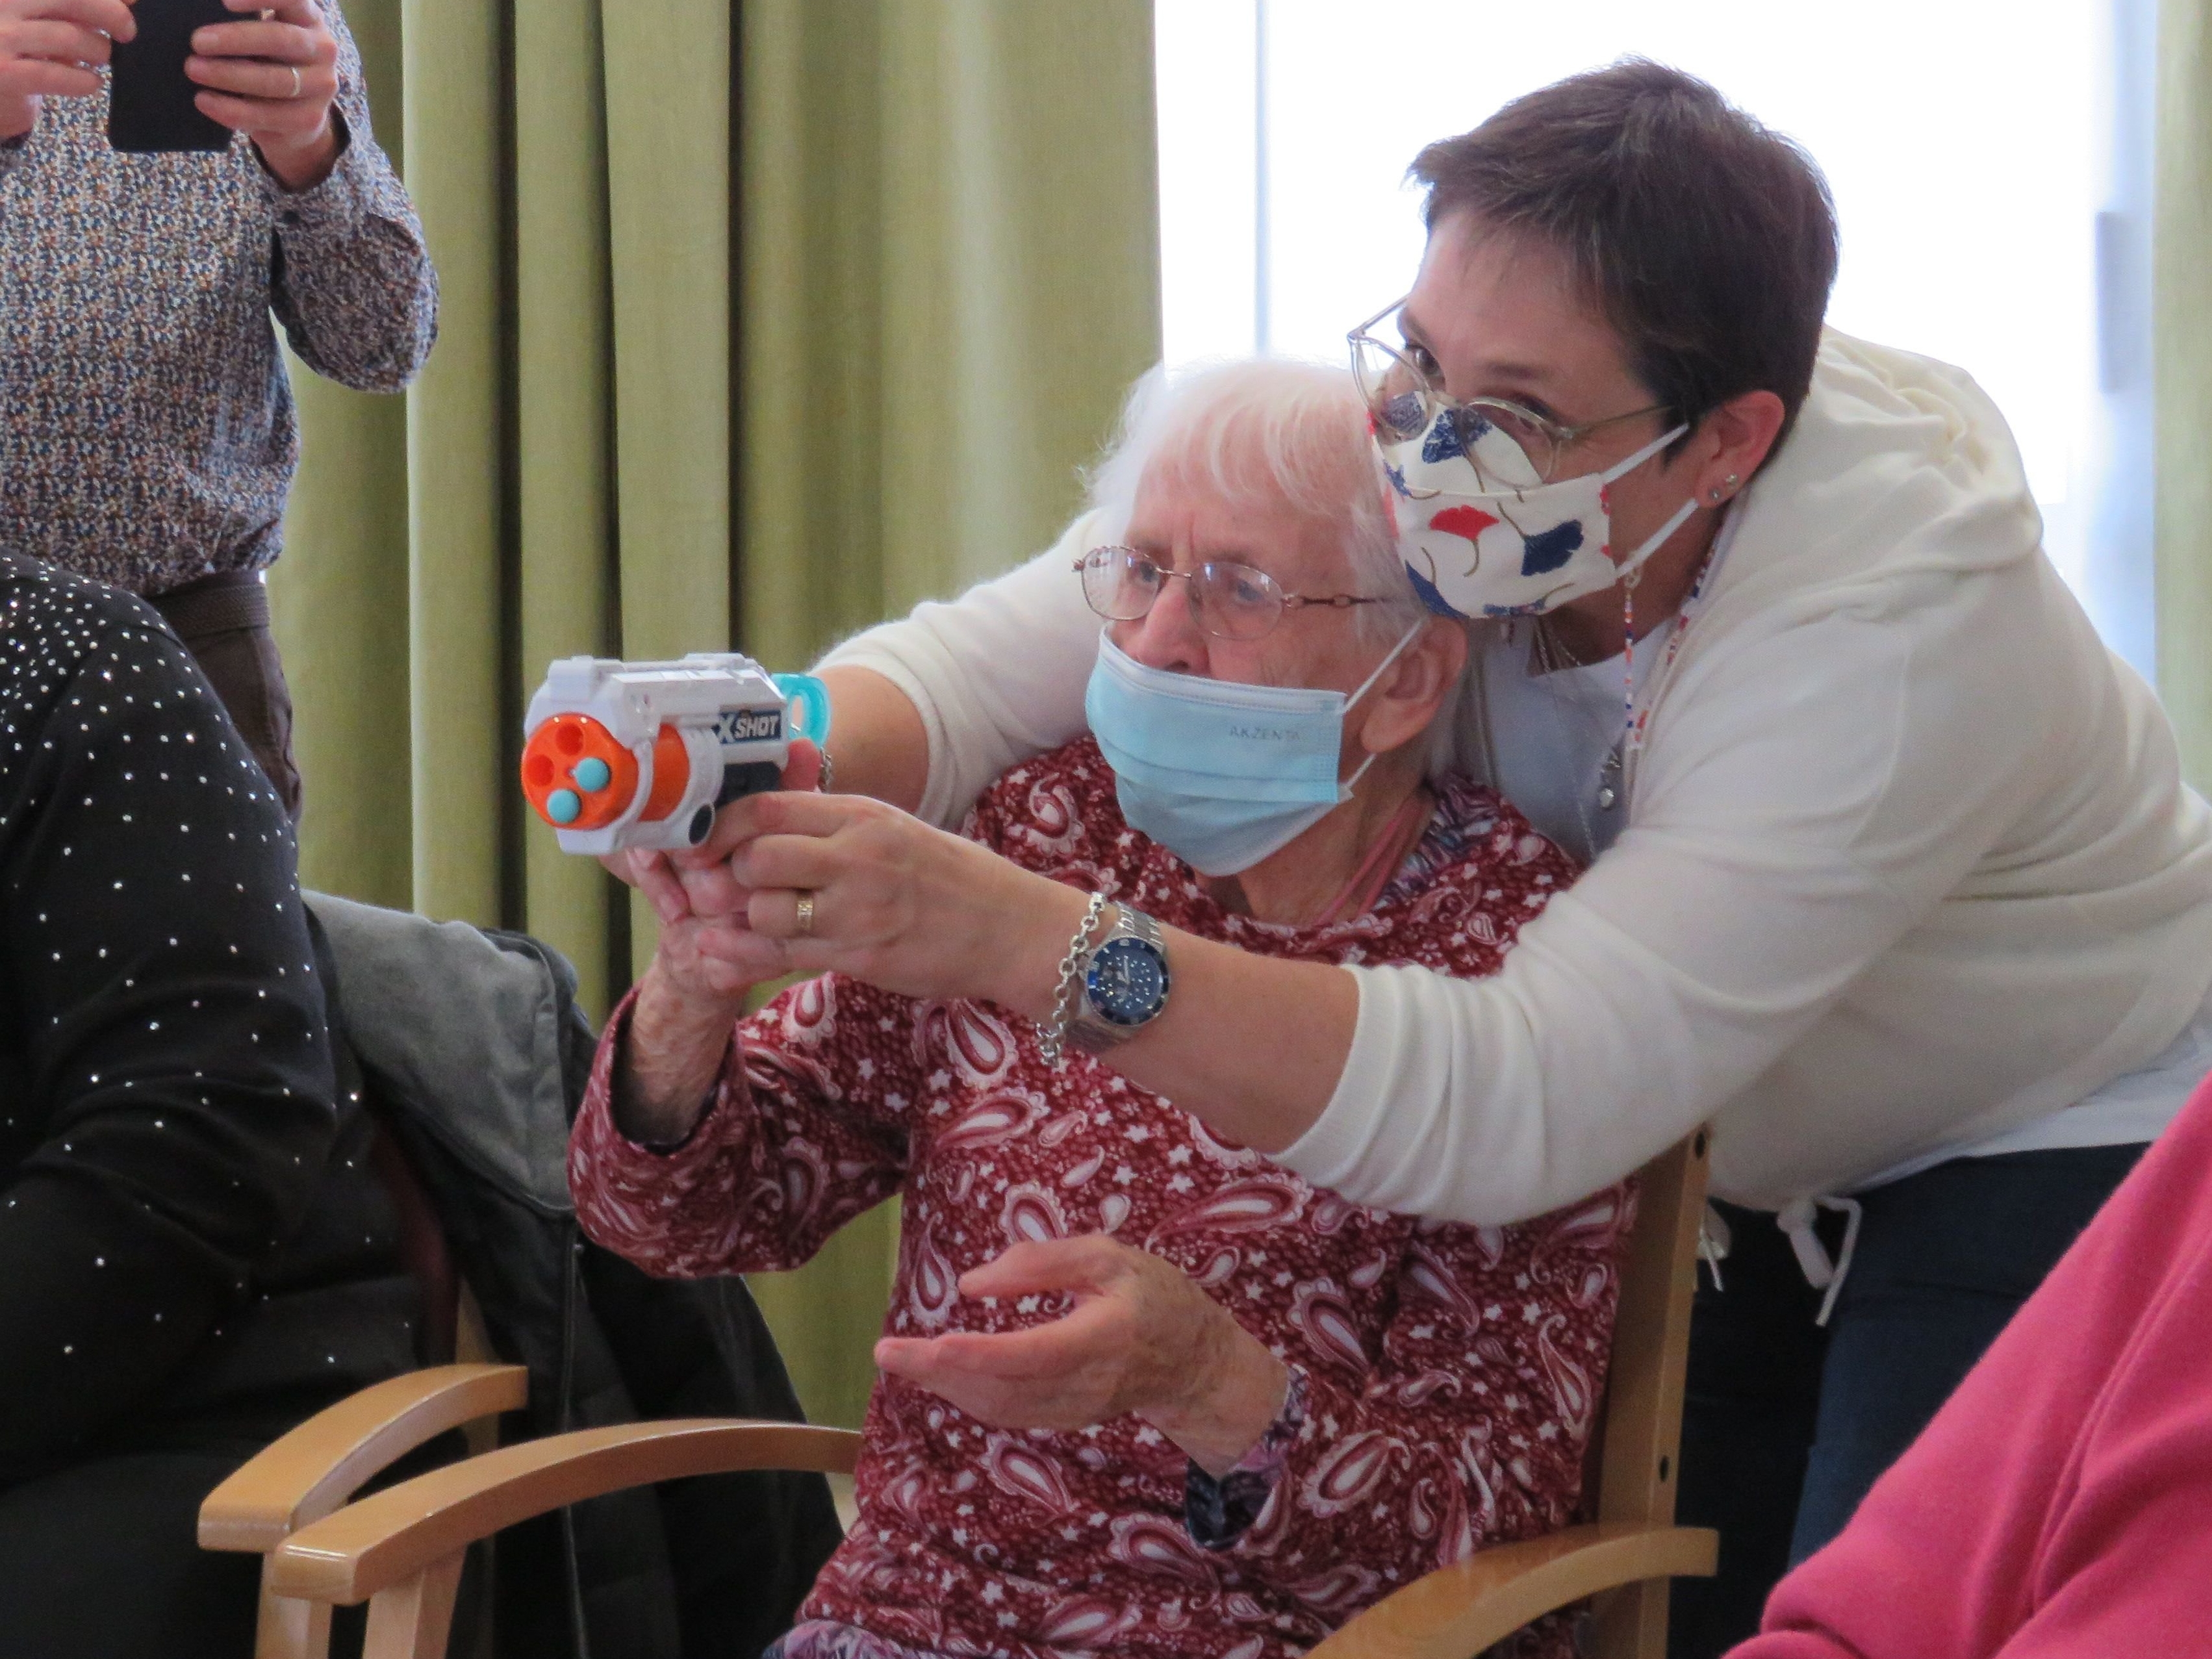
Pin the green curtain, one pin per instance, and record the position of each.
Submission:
(949, 251)
(2183, 325)
(760, 322)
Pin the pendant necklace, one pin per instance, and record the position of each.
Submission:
(1549, 655)
(1608, 791)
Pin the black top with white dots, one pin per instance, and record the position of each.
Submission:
(171, 1134)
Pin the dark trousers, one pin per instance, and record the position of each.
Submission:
(1786, 1425)
(100, 1562)
(224, 622)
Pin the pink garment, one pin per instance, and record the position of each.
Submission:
(2060, 1506)
(1451, 1373)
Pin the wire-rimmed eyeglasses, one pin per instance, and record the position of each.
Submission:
(1231, 600)
(1404, 388)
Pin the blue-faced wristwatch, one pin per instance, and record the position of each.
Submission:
(1125, 982)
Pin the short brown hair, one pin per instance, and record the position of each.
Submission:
(1706, 239)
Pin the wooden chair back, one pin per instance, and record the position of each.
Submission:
(1622, 1561)
(1640, 1448)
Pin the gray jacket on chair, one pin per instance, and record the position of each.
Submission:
(474, 1056)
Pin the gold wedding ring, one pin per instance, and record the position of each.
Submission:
(806, 915)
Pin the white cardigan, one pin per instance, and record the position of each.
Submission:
(1908, 860)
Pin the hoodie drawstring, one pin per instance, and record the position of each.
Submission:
(1714, 1242)
(1797, 1221)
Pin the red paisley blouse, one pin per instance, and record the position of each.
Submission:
(1450, 1373)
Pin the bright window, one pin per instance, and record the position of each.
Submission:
(1990, 161)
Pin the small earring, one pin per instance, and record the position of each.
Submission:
(1715, 494)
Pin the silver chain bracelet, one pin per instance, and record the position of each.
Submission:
(1052, 1039)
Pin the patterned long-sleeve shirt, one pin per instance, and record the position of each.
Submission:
(1447, 1374)
(148, 436)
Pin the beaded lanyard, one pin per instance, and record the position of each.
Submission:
(1633, 720)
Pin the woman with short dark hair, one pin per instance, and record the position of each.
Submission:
(1893, 878)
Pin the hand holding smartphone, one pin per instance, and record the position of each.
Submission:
(151, 108)
(54, 49)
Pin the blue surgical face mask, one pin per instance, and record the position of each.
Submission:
(1221, 774)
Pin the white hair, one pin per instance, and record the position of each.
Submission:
(1272, 429)
(1279, 429)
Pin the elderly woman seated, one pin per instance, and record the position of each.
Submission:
(1144, 1392)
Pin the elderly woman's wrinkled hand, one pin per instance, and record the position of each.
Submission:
(1142, 1337)
(678, 1033)
(708, 962)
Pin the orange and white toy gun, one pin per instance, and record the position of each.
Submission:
(620, 755)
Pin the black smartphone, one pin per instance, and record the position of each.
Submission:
(150, 108)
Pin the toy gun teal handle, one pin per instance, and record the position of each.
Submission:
(809, 702)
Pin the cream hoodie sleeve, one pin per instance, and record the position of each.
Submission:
(1816, 798)
(1808, 801)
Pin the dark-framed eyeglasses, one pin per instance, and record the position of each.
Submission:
(1231, 600)
(1404, 388)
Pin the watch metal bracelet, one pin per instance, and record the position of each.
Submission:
(1090, 1031)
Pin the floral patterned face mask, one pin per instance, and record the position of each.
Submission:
(1483, 535)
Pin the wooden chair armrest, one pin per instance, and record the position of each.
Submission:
(396, 1534)
(1462, 1610)
(310, 1472)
